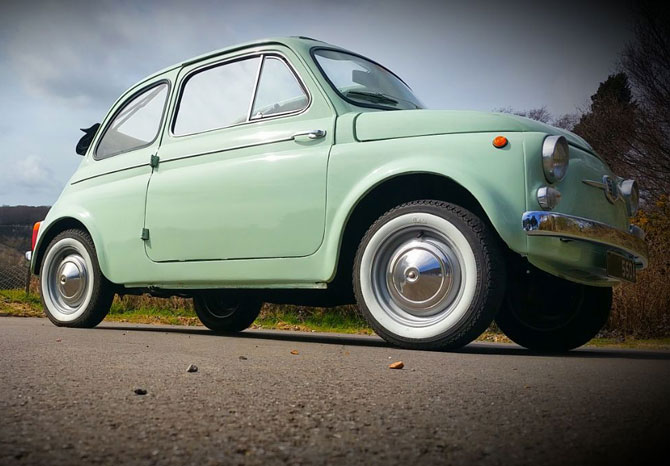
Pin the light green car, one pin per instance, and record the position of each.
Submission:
(292, 171)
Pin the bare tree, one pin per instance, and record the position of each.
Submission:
(539, 114)
(567, 121)
(646, 61)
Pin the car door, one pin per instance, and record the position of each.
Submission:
(109, 188)
(242, 169)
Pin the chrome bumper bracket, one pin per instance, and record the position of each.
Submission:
(539, 223)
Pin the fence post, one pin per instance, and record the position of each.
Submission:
(28, 277)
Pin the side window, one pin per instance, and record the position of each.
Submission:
(136, 125)
(216, 97)
(278, 90)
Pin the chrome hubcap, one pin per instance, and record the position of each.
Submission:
(71, 275)
(416, 276)
(420, 275)
(67, 281)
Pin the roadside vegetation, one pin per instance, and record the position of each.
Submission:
(342, 319)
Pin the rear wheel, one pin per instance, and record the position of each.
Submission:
(74, 291)
(226, 312)
(428, 275)
(545, 313)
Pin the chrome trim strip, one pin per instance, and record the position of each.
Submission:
(111, 172)
(595, 184)
(318, 133)
(255, 91)
(216, 151)
(538, 223)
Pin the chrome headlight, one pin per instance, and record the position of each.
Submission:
(555, 158)
(631, 195)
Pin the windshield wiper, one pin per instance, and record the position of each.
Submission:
(375, 97)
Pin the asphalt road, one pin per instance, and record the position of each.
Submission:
(67, 397)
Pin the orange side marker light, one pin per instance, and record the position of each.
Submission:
(499, 142)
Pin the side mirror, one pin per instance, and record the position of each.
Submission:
(85, 141)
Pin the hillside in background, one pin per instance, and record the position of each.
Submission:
(22, 214)
(16, 224)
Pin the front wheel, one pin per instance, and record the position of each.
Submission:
(549, 314)
(226, 312)
(74, 291)
(429, 275)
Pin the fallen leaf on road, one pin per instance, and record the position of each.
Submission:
(397, 365)
(295, 351)
(243, 358)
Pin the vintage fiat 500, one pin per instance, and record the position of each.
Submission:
(292, 171)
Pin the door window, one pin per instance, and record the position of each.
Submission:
(278, 90)
(136, 125)
(217, 97)
(238, 92)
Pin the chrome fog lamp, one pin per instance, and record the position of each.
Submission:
(548, 197)
(555, 158)
(631, 195)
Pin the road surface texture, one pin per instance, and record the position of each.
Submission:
(67, 396)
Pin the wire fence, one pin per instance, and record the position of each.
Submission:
(14, 269)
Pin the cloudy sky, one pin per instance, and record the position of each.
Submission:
(63, 63)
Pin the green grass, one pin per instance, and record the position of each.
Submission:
(339, 320)
(343, 319)
(146, 310)
(632, 342)
(17, 303)
(143, 315)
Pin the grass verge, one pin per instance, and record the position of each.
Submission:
(344, 319)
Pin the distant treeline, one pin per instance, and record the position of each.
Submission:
(22, 214)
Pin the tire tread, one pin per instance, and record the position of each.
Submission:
(488, 296)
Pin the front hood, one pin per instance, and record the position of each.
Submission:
(374, 126)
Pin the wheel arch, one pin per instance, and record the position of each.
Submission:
(54, 228)
(385, 194)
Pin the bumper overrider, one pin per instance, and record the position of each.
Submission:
(630, 243)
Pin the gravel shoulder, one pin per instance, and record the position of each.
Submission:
(67, 396)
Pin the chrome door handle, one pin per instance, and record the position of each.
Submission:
(311, 134)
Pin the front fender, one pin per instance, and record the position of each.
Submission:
(495, 177)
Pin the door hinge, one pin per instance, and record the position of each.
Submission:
(145, 234)
(154, 161)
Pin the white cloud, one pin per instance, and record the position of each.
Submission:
(31, 173)
(63, 63)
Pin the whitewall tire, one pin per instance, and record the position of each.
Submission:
(74, 291)
(429, 275)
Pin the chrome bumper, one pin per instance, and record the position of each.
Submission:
(538, 223)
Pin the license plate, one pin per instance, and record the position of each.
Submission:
(620, 267)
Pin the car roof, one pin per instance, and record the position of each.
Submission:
(293, 42)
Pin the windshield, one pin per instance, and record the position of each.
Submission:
(363, 82)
